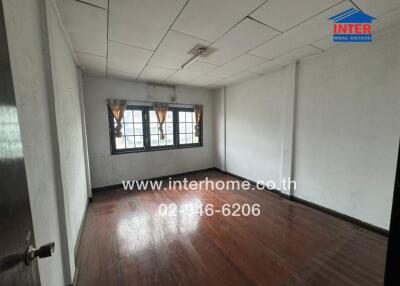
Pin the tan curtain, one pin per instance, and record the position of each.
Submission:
(161, 112)
(117, 108)
(198, 113)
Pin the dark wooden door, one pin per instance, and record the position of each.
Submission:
(16, 230)
(392, 274)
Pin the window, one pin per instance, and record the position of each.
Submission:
(168, 128)
(141, 132)
(132, 131)
(187, 123)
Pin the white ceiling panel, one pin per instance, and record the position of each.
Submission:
(209, 19)
(127, 58)
(98, 3)
(315, 29)
(142, 23)
(376, 8)
(285, 14)
(174, 50)
(281, 61)
(239, 64)
(386, 21)
(121, 75)
(92, 65)
(200, 67)
(242, 76)
(154, 73)
(183, 76)
(86, 26)
(246, 35)
(205, 80)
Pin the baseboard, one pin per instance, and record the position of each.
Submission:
(119, 186)
(342, 216)
(78, 239)
(336, 214)
(277, 192)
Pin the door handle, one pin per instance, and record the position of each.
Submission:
(45, 250)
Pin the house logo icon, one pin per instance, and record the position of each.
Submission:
(352, 25)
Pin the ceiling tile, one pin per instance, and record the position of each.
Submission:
(205, 80)
(377, 7)
(86, 26)
(154, 73)
(242, 76)
(387, 20)
(325, 44)
(315, 29)
(246, 35)
(183, 76)
(127, 58)
(200, 67)
(92, 65)
(174, 50)
(239, 64)
(209, 19)
(121, 75)
(142, 23)
(285, 14)
(283, 60)
(99, 3)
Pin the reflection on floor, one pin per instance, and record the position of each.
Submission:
(125, 241)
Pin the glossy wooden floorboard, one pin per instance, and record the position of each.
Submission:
(126, 242)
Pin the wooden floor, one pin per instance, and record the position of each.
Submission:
(126, 242)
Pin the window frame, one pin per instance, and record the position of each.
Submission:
(146, 131)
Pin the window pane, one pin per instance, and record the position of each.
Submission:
(181, 116)
(195, 139)
(122, 129)
(189, 139)
(189, 127)
(154, 128)
(193, 117)
(182, 128)
(194, 128)
(153, 117)
(169, 117)
(182, 139)
(169, 128)
(170, 139)
(138, 129)
(154, 140)
(128, 116)
(130, 142)
(163, 142)
(120, 142)
(189, 116)
(128, 129)
(138, 141)
(137, 115)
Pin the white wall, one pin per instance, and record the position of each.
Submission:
(218, 96)
(29, 56)
(346, 128)
(69, 129)
(109, 170)
(254, 127)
